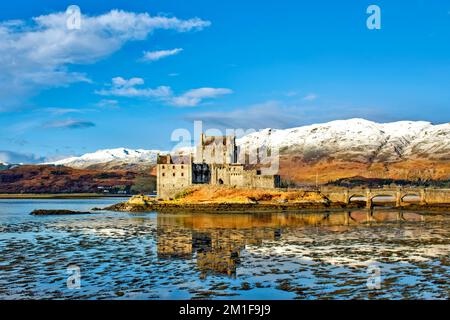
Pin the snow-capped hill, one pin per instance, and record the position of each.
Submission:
(6, 165)
(357, 140)
(111, 158)
(353, 140)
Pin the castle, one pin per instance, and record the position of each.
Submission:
(217, 161)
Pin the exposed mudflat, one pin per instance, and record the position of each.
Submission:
(323, 255)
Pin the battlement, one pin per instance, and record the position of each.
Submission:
(216, 149)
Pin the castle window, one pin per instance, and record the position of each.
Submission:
(163, 167)
(173, 167)
(182, 167)
(182, 174)
(163, 174)
(258, 172)
(174, 174)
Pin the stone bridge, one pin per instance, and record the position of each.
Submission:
(398, 195)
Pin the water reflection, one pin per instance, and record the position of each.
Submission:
(243, 256)
(216, 241)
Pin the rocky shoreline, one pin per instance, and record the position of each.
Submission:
(224, 207)
(257, 207)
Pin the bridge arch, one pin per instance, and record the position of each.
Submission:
(411, 194)
(389, 196)
(357, 195)
(382, 198)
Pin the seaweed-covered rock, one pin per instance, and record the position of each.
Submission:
(41, 212)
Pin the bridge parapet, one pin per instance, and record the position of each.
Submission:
(425, 195)
(433, 196)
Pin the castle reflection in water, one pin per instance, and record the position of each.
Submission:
(216, 250)
(217, 240)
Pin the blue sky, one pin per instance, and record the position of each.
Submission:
(137, 70)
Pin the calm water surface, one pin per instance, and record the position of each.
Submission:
(244, 256)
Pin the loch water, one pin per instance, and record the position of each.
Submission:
(383, 254)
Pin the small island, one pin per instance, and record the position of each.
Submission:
(227, 200)
(57, 212)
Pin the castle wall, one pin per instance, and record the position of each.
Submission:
(172, 179)
(235, 175)
(230, 175)
(264, 181)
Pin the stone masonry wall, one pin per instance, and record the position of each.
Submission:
(172, 178)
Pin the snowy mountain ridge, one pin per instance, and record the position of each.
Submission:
(358, 140)
(118, 156)
(355, 140)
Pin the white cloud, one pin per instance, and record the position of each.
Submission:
(108, 103)
(37, 54)
(121, 82)
(193, 97)
(291, 93)
(310, 97)
(157, 55)
(69, 124)
(61, 111)
(129, 88)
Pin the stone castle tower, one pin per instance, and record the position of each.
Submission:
(216, 149)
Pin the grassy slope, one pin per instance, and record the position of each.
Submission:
(210, 194)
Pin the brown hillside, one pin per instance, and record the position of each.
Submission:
(296, 170)
(57, 179)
